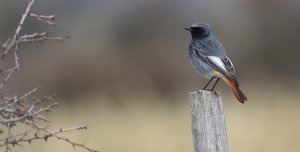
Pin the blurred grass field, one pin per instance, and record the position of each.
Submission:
(149, 123)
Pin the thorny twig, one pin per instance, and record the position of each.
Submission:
(23, 110)
(43, 134)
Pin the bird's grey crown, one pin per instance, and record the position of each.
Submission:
(200, 30)
(199, 25)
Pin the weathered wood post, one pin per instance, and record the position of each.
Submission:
(208, 123)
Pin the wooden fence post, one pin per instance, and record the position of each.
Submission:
(208, 123)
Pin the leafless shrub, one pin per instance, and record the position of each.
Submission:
(21, 110)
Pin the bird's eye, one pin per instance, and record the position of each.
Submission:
(202, 31)
(196, 28)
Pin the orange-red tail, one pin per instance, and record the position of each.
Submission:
(236, 90)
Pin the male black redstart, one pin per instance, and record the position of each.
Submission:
(209, 58)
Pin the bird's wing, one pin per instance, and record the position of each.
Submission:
(222, 65)
(209, 46)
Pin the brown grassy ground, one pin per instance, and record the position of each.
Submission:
(143, 125)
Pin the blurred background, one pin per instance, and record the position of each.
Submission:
(125, 71)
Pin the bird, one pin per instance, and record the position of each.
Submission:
(209, 58)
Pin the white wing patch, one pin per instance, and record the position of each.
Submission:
(218, 62)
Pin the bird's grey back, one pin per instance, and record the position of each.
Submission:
(208, 46)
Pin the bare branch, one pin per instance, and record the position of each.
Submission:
(19, 110)
(16, 100)
(74, 144)
(26, 138)
(47, 19)
(16, 61)
(38, 37)
(9, 72)
(10, 43)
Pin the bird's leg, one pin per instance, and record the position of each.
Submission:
(208, 83)
(215, 84)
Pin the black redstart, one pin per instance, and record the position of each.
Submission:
(209, 58)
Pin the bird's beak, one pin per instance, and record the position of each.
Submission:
(187, 28)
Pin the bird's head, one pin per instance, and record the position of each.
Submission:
(199, 30)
